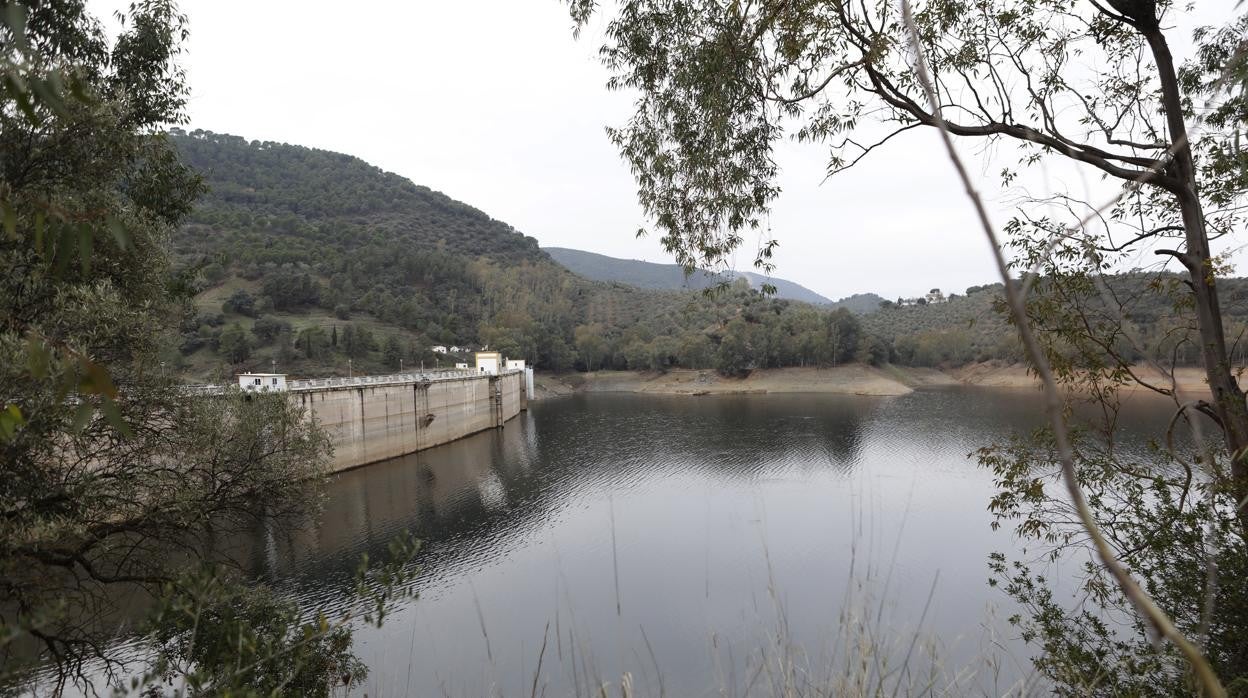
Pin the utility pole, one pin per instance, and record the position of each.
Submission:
(350, 370)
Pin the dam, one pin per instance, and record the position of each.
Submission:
(374, 418)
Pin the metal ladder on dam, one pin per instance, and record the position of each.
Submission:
(496, 401)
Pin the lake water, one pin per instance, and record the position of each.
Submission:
(695, 543)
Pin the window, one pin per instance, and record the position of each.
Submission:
(256, 382)
(274, 381)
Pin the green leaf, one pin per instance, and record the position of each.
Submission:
(60, 254)
(47, 90)
(15, 20)
(10, 419)
(82, 415)
(79, 89)
(24, 104)
(38, 358)
(97, 381)
(120, 236)
(113, 415)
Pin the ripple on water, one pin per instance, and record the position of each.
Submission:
(709, 523)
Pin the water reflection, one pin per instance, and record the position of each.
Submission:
(669, 537)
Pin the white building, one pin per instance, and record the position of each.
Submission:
(262, 382)
(461, 364)
(515, 364)
(489, 362)
(438, 349)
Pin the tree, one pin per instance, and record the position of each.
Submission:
(695, 350)
(233, 345)
(718, 65)
(639, 356)
(590, 346)
(393, 352)
(290, 289)
(312, 342)
(285, 343)
(557, 355)
(109, 471)
(843, 330)
(872, 350)
(267, 328)
(1094, 86)
(240, 302)
(734, 357)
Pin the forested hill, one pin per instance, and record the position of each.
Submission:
(669, 276)
(318, 263)
(262, 190)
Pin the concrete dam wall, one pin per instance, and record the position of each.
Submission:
(375, 418)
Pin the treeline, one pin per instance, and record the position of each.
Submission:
(961, 330)
(1139, 307)
(323, 230)
(315, 261)
(293, 247)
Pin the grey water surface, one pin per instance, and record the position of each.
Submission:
(695, 543)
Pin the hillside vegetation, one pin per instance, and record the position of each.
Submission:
(1137, 308)
(859, 303)
(317, 263)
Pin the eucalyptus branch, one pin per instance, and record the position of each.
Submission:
(1144, 604)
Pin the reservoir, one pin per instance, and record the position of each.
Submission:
(695, 544)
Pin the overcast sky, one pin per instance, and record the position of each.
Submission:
(494, 103)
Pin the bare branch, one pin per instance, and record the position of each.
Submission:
(1053, 403)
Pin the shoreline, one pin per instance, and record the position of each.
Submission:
(847, 379)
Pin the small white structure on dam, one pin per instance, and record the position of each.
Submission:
(490, 362)
(515, 364)
(262, 382)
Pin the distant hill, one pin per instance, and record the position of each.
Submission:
(650, 275)
(860, 303)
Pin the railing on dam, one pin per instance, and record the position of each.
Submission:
(396, 378)
(305, 384)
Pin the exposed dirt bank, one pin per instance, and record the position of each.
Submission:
(994, 375)
(855, 379)
(852, 379)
